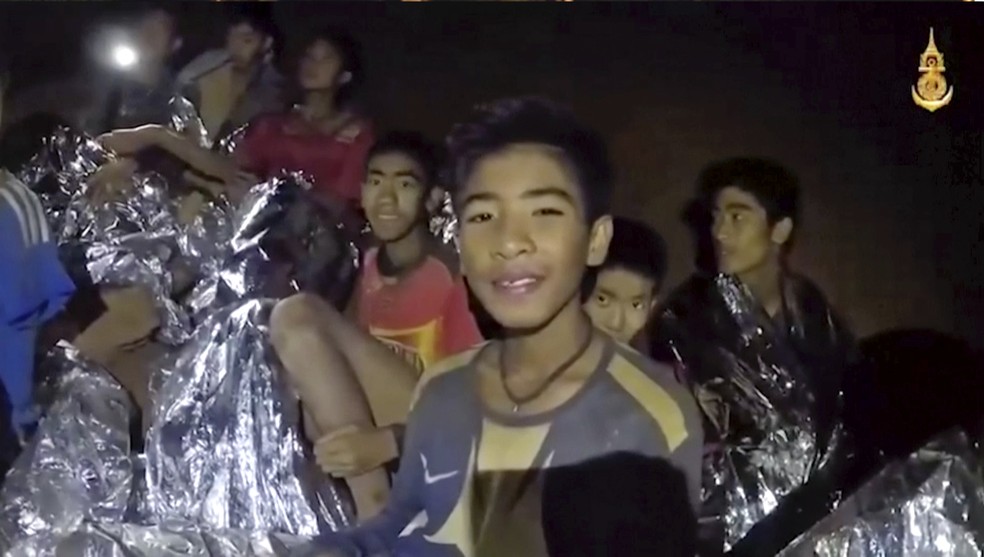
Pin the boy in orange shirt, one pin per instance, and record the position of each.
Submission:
(411, 307)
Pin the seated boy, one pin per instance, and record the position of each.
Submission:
(411, 308)
(531, 189)
(33, 286)
(628, 282)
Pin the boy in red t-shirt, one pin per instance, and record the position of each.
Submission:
(411, 306)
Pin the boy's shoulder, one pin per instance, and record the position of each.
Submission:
(655, 388)
(447, 371)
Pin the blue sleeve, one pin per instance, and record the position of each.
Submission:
(379, 534)
(34, 285)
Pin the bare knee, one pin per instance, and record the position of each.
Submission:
(293, 317)
(295, 323)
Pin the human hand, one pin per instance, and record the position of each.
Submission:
(111, 180)
(131, 141)
(353, 451)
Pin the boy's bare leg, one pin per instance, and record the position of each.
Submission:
(328, 388)
(387, 380)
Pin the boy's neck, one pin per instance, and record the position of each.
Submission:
(406, 251)
(765, 284)
(319, 105)
(533, 353)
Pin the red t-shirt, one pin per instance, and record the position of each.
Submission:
(423, 315)
(335, 162)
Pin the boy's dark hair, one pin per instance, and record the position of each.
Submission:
(145, 10)
(414, 145)
(350, 52)
(533, 120)
(624, 504)
(258, 16)
(772, 185)
(638, 248)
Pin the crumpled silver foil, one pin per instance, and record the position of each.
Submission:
(929, 505)
(77, 467)
(185, 120)
(444, 223)
(774, 426)
(282, 242)
(129, 540)
(223, 449)
(137, 237)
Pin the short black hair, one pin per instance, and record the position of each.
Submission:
(414, 145)
(144, 10)
(350, 52)
(774, 186)
(638, 248)
(621, 503)
(534, 120)
(259, 16)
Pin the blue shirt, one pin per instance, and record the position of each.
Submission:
(469, 483)
(33, 288)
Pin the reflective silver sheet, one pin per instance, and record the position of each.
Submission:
(223, 449)
(928, 505)
(77, 467)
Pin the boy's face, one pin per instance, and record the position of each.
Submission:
(744, 241)
(621, 303)
(245, 44)
(393, 195)
(524, 238)
(156, 37)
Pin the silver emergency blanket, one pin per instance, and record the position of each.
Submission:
(223, 423)
(135, 238)
(224, 449)
(774, 409)
(129, 540)
(184, 119)
(444, 223)
(930, 504)
(77, 467)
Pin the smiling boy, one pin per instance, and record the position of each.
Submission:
(356, 380)
(531, 188)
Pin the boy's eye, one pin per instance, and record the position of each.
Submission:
(548, 211)
(479, 217)
(374, 181)
(407, 184)
(602, 299)
(637, 305)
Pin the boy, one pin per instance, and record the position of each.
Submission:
(232, 86)
(773, 320)
(143, 97)
(628, 282)
(411, 308)
(531, 189)
(33, 287)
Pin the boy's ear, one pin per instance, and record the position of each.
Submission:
(781, 231)
(600, 237)
(176, 44)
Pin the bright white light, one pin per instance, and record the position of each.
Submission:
(124, 56)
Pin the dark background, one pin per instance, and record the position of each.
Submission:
(892, 228)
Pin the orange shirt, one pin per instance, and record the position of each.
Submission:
(423, 314)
